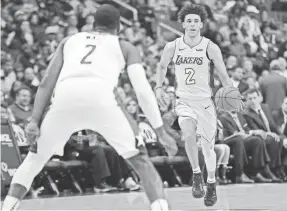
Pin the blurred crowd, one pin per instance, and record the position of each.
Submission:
(254, 47)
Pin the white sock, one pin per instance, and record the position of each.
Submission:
(196, 170)
(159, 204)
(10, 203)
(211, 180)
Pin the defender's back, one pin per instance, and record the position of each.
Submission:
(92, 55)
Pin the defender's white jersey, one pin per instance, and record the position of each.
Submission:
(192, 70)
(91, 67)
(93, 55)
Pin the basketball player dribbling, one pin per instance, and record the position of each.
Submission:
(81, 77)
(196, 114)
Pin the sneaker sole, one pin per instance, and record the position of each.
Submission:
(210, 205)
(198, 196)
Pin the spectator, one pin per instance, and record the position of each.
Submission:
(237, 77)
(235, 124)
(146, 17)
(89, 26)
(132, 108)
(95, 156)
(27, 33)
(7, 76)
(236, 48)
(37, 29)
(231, 64)
(259, 119)
(16, 86)
(212, 33)
(107, 166)
(133, 33)
(226, 31)
(30, 80)
(280, 117)
(22, 108)
(128, 90)
(274, 83)
(237, 147)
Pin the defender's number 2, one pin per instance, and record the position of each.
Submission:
(85, 58)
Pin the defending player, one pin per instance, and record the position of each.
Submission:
(82, 75)
(192, 55)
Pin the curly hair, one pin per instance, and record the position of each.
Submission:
(192, 9)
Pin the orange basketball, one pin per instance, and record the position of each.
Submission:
(228, 99)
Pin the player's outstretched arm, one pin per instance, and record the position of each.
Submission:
(215, 56)
(166, 58)
(146, 96)
(48, 83)
(140, 84)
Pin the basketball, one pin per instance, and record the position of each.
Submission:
(228, 99)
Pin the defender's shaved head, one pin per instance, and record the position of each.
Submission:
(107, 16)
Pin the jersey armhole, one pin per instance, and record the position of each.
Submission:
(207, 51)
(174, 50)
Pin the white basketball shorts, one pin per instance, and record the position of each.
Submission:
(78, 106)
(202, 112)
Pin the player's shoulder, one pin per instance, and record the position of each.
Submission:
(213, 49)
(170, 46)
(130, 52)
(212, 46)
(128, 48)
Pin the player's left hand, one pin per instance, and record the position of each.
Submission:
(167, 141)
(32, 131)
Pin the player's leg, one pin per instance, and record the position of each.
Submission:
(50, 141)
(188, 123)
(116, 129)
(207, 127)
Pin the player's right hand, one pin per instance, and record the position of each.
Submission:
(32, 131)
(161, 96)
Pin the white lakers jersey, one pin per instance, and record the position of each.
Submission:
(192, 70)
(93, 55)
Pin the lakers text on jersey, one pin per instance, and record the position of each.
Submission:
(192, 70)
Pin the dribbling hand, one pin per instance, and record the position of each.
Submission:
(32, 131)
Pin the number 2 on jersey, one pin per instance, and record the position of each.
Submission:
(190, 73)
(84, 59)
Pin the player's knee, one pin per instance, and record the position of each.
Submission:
(31, 166)
(34, 162)
(188, 127)
(207, 148)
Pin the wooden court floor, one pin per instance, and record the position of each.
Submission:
(231, 197)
